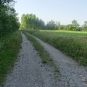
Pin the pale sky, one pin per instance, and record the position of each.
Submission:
(58, 10)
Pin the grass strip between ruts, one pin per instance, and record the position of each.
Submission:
(43, 54)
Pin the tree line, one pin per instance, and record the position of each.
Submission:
(8, 17)
(31, 21)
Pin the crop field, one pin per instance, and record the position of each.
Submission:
(71, 43)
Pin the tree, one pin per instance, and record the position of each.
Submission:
(30, 21)
(8, 19)
(51, 25)
(75, 25)
(70, 27)
(84, 27)
(58, 25)
(23, 21)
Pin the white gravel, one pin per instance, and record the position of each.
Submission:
(72, 74)
(29, 70)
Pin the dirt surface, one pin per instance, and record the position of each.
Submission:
(29, 70)
(72, 74)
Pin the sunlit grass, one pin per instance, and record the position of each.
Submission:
(71, 43)
(64, 32)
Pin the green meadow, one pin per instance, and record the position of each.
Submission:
(71, 43)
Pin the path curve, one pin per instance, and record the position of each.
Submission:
(72, 74)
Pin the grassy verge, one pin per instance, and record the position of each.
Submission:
(43, 54)
(9, 49)
(73, 44)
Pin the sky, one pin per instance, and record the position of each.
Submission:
(63, 11)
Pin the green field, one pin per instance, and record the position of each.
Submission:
(71, 43)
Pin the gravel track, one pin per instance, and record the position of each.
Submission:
(29, 70)
(72, 74)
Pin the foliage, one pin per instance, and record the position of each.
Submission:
(9, 48)
(8, 19)
(51, 25)
(71, 43)
(85, 26)
(30, 21)
(75, 24)
(69, 27)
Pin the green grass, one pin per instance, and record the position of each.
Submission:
(71, 43)
(43, 54)
(9, 49)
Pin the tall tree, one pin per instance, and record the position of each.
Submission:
(70, 27)
(8, 19)
(75, 25)
(84, 27)
(30, 21)
(51, 25)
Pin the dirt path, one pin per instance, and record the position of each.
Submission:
(72, 75)
(29, 71)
